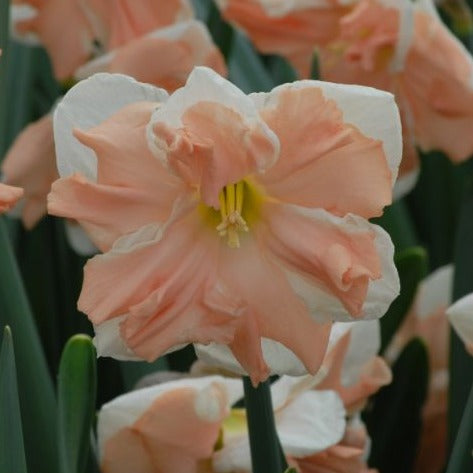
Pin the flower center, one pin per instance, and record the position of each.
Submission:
(231, 209)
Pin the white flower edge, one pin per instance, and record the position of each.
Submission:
(88, 104)
(22, 13)
(460, 315)
(435, 292)
(373, 112)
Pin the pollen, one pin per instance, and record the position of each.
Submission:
(231, 208)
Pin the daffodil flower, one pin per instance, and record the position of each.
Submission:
(227, 218)
(460, 315)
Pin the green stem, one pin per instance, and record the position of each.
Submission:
(266, 454)
(4, 32)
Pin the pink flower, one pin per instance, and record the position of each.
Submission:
(9, 196)
(97, 25)
(388, 44)
(223, 222)
(164, 57)
(31, 163)
(172, 427)
(290, 28)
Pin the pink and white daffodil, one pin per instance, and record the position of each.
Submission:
(9, 196)
(163, 58)
(98, 25)
(292, 29)
(173, 426)
(220, 220)
(402, 46)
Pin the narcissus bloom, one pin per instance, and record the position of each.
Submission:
(220, 221)
(163, 58)
(97, 25)
(310, 410)
(290, 28)
(389, 44)
(170, 427)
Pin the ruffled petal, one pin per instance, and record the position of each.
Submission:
(335, 255)
(31, 163)
(210, 134)
(88, 104)
(292, 29)
(180, 48)
(324, 162)
(439, 89)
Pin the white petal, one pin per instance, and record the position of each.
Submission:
(460, 316)
(235, 456)
(312, 422)
(279, 359)
(435, 292)
(22, 13)
(404, 184)
(126, 409)
(365, 342)
(205, 85)
(79, 240)
(373, 112)
(87, 104)
(108, 342)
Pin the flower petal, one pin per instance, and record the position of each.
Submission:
(378, 121)
(312, 422)
(210, 133)
(460, 315)
(9, 196)
(88, 104)
(180, 48)
(324, 161)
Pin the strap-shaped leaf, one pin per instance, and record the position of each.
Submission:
(76, 403)
(34, 381)
(412, 267)
(12, 452)
(394, 420)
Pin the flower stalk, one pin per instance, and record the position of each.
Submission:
(266, 454)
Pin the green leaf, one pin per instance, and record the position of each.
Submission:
(12, 452)
(76, 403)
(461, 363)
(461, 459)
(34, 380)
(394, 419)
(412, 267)
(246, 69)
(4, 32)
(222, 33)
(291, 470)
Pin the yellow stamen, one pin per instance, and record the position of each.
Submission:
(231, 208)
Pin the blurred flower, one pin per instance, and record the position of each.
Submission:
(460, 315)
(403, 47)
(31, 164)
(171, 427)
(292, 29)
(97, 26)
(309, 412)
(427, 319)
(9, 195)
(221, 221)
(164, 57)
